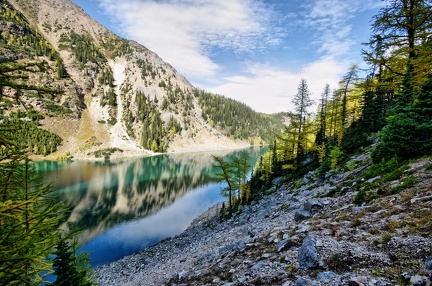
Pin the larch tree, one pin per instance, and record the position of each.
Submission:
(401, 43)
(302, 101)
(29, 214)
(346, 83)
(322, 117)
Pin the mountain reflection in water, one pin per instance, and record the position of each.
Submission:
(129, 205)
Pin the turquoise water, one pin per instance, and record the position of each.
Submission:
(126, 206)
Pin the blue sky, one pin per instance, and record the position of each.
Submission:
(255, 51)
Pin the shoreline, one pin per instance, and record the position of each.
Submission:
(128, 154)
(273, 242)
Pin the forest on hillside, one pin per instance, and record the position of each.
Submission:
(392, 107)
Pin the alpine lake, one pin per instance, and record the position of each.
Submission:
(127, 205)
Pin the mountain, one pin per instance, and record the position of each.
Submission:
(114, 95)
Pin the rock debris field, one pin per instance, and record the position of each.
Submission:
(307, 232)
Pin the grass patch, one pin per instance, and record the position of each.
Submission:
(386, 167)
(395, 174)
(409, 182)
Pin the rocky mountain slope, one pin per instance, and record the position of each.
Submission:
(308, 232)
(118, 96)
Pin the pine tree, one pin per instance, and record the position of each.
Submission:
(69, 268)
(400, 42)
(29, 217)
(408, 133)
(302, 101)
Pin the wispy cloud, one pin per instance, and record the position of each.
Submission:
(190, 34)
(183, 32)
(330, 24)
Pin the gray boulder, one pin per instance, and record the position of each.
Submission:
(326, 276)
(301, 215)
(313, 205)
(305, 282)
(283, 245)
(308, 254)
(418, 280)
(428, 263)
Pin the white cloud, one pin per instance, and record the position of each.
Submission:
(183, 31)
(187, 33)
(270, 90)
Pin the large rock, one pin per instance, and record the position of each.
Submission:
(308, 254)
(305, 282)
(428, 263)
(326, 276)
(313, 205)
(301, 215)
(418, 280)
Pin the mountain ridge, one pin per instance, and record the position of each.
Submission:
(128, 100)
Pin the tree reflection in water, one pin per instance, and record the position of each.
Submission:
(135, 197)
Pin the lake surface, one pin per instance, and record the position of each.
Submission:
(126, 206)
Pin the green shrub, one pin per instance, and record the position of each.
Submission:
(384, 167)
(410, 181)
(395, 174)
(360, 197)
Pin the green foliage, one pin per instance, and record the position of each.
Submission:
(116, 46)
(334, 156)
(29, 219)
(335, 261)
(155, 132)
(383, 167)
(106, 153)
(23, 37)
(236, 119)
(360, 197)
(109, 97)
(410, 181)
(82, 47)
(29, 214)
(324, 168)
(71, 268)
(112, 121)
(408, 133)
(56, 109)
(234, 173)
(22, 129)
(106, 77)
(399, 43)
(395, 174)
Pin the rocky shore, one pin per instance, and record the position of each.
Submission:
(300, 233)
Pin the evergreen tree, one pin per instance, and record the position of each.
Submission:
(71, 269)
(227, 175)
(408, 133)
(302, 101)
(346, 83)
(29, 217)
(242, 169)
(400, 42)
(322, 117)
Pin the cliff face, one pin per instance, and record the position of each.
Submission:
(120, 95)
